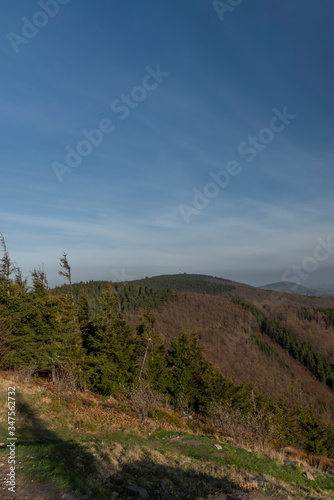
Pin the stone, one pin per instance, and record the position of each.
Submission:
(218, 446)
(141, 492)
(166, 485)
(308, 476)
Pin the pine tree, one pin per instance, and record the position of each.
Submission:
(66, 272)
(191, 374)
(40, 282)
(111, 347)
(7, 267)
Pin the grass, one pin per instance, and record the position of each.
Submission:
(87, 444)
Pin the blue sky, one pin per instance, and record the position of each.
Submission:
(119, 212)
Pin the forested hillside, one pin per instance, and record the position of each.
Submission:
(189, 283)
(211, 354)
(130, 296)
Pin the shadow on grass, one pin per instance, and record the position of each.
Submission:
(163, 482)
(49, 457)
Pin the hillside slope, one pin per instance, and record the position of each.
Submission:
(231, 340)
(81, 446)
(230, 335)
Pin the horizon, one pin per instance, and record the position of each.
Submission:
(147, 138)
(124, 278)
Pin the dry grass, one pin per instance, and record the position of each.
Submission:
(135, 449)
(96, 413)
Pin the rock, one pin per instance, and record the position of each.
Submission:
(218, 446)
(308, 476)
(115, 494)
(141, 492)
(166, 485)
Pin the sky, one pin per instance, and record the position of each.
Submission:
(152, 137)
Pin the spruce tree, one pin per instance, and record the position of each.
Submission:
(111, 348)
(7, 267)
(191, 374)
(66, 272)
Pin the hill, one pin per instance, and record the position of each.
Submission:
(290, 287)
(232, 338)
(233, 342)
(189, 283)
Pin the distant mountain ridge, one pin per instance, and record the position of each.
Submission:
(200, 283)
(291, 287)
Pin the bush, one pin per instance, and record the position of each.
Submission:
(144, 399)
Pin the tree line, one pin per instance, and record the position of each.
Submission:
(130, 296)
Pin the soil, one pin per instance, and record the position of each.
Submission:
(30, 490)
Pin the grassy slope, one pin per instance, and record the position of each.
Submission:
(95, 445)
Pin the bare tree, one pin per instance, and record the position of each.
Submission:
(149, 329)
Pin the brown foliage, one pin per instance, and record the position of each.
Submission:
(224, 330)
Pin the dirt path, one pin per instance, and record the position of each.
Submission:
(26, 490)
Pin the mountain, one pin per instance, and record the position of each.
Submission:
(290, 287)
(326, 289)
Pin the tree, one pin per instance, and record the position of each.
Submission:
(19, 280)
(153, 365)
(66, 272)
(7, 267)
(191, 374)
(83, 311)
(40, 282)
(111, 347)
